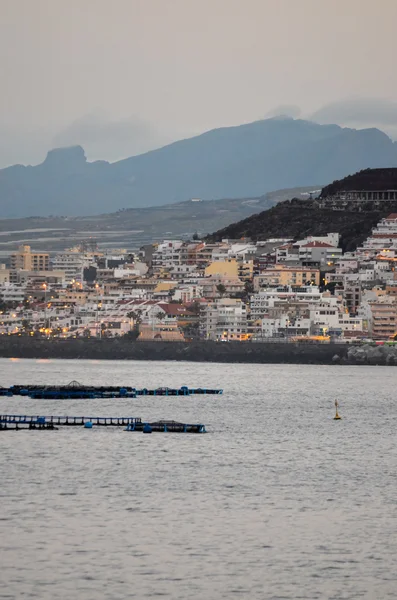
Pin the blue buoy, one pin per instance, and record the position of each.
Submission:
(123, 391)
(147, 428)
(41, 420)
(88, 425)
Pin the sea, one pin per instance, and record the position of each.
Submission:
(276, 501)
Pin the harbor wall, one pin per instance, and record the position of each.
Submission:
(121, 349)
(124, 349)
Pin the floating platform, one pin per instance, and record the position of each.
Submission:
(68, 421)
(76, 390)
(22, 426)
(5, 392)
(166, 427)
(17, 422)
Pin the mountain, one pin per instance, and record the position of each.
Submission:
(231, 162)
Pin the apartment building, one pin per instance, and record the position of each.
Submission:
(384, 318)
(25, 259)
(73, 262)
(281, 275)
(319, 252)
(224, 320)
(166, 255)
(286, 296)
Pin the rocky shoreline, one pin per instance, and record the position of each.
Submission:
(261, 353)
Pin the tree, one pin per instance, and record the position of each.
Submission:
(136, 317)
(159, 316)
(195, 308)
(26, 326)
(130, 316)
(221, 289)
(191, 330)
(249, 287)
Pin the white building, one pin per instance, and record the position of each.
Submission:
(224, 320)
(10, 292)
(262, 301)
(166, 255)
(188, 293)
(283, 326)
(72, 263)
(319, 252)
(382, 238)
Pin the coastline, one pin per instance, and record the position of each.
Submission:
(260, 353)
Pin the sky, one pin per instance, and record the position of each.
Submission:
(121, 77)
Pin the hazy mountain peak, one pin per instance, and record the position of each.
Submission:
(282, 117)
(72, 155)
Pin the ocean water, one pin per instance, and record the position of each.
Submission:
(276, 501)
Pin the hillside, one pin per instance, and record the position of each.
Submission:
(232, 162)
(296, 220)
(134, 227)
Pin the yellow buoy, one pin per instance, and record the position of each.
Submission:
(336, 417)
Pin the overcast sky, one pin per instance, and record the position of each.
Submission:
(123, 76)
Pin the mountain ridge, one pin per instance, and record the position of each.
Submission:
(230, 162)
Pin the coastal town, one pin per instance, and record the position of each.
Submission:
(233, 290)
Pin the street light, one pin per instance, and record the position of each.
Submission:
(45, 305)
(97, 308)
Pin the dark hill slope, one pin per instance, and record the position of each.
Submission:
(232, 162)
(366, 180)
(296, 220)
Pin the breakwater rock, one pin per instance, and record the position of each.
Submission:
(372, 355)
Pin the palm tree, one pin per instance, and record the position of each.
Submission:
(131, 316)
(136, 317)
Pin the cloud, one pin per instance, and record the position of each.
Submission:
(104, 138)
(360, 112)
(18, 146)
(287, 110)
